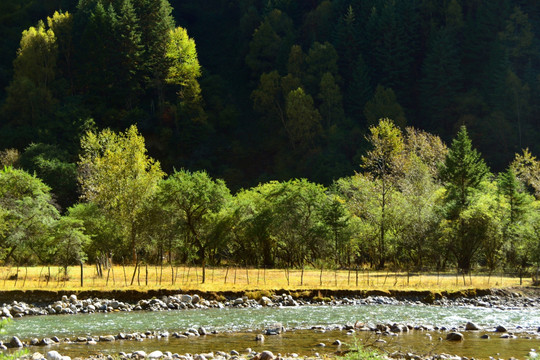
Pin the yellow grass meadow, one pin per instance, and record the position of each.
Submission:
(184, 278)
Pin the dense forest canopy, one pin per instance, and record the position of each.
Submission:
(270, 89)
(356, 98)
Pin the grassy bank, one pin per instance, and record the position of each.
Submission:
(233, 279)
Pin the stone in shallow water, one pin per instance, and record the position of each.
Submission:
(500, 328)
(15, 342)
(471, 326)
(105, 338)
(454, 336)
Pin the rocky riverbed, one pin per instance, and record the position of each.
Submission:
(70, 305)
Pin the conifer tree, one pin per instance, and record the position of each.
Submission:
(462, 173)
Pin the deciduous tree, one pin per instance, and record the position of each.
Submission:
(116, 173)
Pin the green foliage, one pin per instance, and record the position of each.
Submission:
(116, 174)
(55, 167)
(69, 241)
(463, 173)
(384, 105)
(105, 236)
(194, 201)
(28, 216)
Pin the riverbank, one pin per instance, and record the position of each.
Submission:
(39, 302)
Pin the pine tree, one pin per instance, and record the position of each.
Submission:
(441, 81)
(462, 173)
(131, 48)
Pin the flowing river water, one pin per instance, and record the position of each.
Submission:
(237, 327)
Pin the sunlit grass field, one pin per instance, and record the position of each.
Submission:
(184, 278)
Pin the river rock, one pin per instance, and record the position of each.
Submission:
(106, 338)
(139, 354)
(533, 354)
(55, 339)
(235, 353)
(15, 343)
(186, 298)
(17, 309)
(321, 345)
(259, 337)
(46, 342)
(454, 336)
(265, 301)
(238, 301)
(266, 355)
(275, 329)
(37, 356)
(337, 342)
(73, 298)
(202, 331)
(485, 336)
(53, 355)
(500, 328)
(155, 355)
(195, 299)
(471, 326)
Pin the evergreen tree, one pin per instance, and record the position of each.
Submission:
(440, 83)
(462, 173)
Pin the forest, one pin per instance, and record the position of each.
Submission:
(283, 100)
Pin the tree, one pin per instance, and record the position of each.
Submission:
(184, 68)
(336, 219)
(527, 170)
(515, 208)
(419, 219)
(441, 81)
(384, 105)
(331, 107)
(52, 165)
(30, 99)
(194, 200)
(270, 43)
(116, 174)
(462, 173)
(27, 215)
(69, 241)
(383, 163)
(303, 121)
(105, 237)
(297, 209)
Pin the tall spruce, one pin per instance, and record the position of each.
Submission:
(462, 174)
